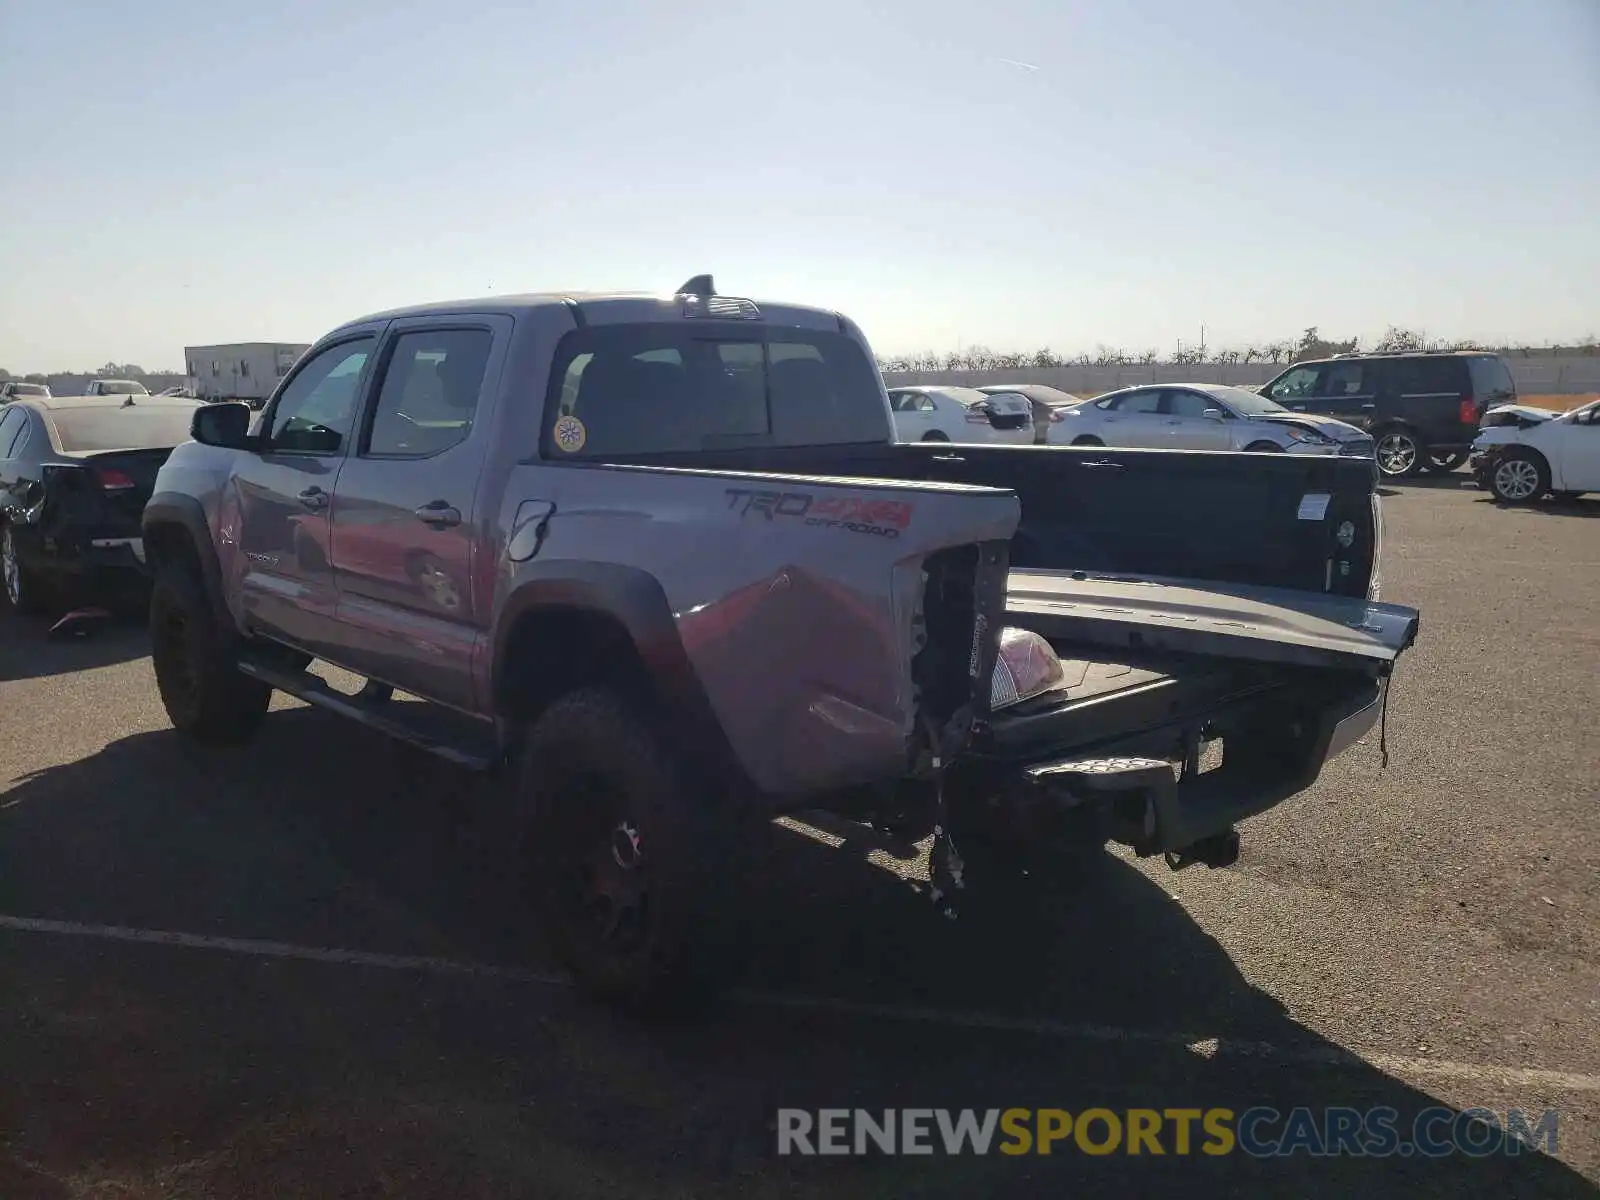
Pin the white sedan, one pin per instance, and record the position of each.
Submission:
(1520, 462)
(958, 414)
(1203, 416)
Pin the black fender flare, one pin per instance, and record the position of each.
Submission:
(635, 600)
(166, 509)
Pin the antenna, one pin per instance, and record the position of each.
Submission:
(700, 285)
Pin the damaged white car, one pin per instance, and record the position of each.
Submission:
(1521, 461)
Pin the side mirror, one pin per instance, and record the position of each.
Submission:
(1214, 413)
(225, 425)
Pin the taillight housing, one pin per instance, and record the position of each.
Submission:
(1469, 411)
(112, 480)
(977, 416)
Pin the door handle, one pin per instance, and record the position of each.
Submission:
(439, 513)
(314, 498)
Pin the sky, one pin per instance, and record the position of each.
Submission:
(1013, 174)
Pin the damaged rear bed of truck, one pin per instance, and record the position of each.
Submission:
(1177, 711)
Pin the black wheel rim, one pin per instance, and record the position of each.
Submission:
(603, 872)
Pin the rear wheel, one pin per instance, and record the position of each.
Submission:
(628, 853)
(1520, 477)
(934, 436)
(24, 589)
(1398, 452)
(1442, 463)
(196, 664)
(1087, 440)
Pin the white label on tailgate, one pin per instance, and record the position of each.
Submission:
(1314, 506)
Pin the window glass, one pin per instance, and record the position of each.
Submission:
(1137, 402)
(1190, 404)
(1423, 375)
(1491, 379)
(677, 386)
(430, 391)
(1296, 383)
(317, 407)
(1345, 379)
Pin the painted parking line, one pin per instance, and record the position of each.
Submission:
(1402, 1066)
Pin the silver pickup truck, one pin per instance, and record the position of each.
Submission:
(657, 561)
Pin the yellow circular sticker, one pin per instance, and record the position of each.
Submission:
(570, 435)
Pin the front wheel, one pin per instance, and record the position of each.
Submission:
(1087, 440)
(1398, 453)
(1520, 477)
(196, 665)
(628, 853)
(935, 436)
(1264, 448)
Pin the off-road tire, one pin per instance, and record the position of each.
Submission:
(597, 784)
(196, 664)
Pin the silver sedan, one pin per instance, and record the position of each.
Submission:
(1203, 416)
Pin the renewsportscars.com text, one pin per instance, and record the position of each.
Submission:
(1258, 1132)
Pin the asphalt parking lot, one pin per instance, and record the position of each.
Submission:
(301, 969)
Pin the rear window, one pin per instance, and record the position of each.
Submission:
(1428, 376)
(1491, 379)
(28, 389)
(671, 386)
(86, 430)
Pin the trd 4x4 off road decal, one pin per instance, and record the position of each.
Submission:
(855, 514)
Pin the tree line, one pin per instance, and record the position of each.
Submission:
(1310, 344)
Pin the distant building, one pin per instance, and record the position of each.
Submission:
(240, 370)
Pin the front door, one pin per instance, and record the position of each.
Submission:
(1575, 451)
(283, 493)
(405, 516)
(1347, 391)
(1188, 426)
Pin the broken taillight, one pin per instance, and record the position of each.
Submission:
(112, 480)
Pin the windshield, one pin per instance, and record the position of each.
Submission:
(1251, 404)
(85, 430)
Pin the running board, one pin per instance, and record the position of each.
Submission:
(385, 716)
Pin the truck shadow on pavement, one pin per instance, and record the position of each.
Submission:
(27, 651)
(167, 1071)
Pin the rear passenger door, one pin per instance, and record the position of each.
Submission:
(1135, 419)
(407, 515)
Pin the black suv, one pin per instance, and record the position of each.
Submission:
(1422, 409)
